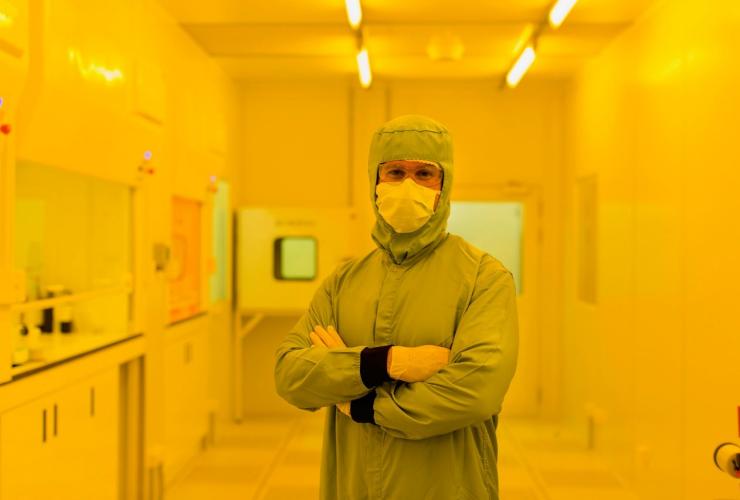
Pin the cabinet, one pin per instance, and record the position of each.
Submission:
(186, 417)
(83, 79)
(64, 445)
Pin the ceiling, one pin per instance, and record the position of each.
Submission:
(282, 39)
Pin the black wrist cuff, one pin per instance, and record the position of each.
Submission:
(362, 409)
(374, 366)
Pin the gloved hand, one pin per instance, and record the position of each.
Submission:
(326, 337)
(329, 338)
(416, 364)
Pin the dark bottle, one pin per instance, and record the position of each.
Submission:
(47, 321)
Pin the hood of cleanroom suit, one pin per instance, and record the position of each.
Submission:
(411, 137)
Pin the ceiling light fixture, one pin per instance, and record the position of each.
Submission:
(520, 67)
(354, 13)
(559, 12)
(363, 67)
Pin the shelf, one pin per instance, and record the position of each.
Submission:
(74, 297)
(59, 347)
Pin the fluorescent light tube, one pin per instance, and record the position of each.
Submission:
(354, 13)
(520, 67)
(560, 11)
(363, 66)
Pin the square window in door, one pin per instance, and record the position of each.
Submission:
(295, 258)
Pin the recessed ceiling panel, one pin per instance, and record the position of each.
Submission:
(407, 39)
(279, 40)
(477, 40)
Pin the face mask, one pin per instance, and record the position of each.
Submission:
(406, 205)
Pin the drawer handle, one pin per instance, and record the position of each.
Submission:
(43, 426)
(56, 420)
(92, 401)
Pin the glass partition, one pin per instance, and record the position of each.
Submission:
(71, 231)
(73, 244)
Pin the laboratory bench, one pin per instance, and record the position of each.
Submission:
(70, 426)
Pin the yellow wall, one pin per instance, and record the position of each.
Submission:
(296, 144)
(655, 118)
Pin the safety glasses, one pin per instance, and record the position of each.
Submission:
(424, 174)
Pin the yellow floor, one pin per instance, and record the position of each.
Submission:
(278, 459)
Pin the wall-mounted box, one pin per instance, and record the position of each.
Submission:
(283, 254)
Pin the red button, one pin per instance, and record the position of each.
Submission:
(5, 128)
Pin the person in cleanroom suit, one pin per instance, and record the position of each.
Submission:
(413, 346)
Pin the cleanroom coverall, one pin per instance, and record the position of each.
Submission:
(431, 440)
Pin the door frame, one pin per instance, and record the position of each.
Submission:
(529, 305)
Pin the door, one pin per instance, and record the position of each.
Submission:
(506, 224)
(72, 439)
(84, 426)
(27, 468)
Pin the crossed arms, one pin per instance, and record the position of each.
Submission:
(413, 399)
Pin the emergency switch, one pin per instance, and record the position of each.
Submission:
(5, 128)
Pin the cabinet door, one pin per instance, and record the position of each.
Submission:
(100, 441)
(64, 446)
(70, 434)
(84, 425)
(185, 400)
(199, 377)
(195, 374)
(26, 452)
(175, 408)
